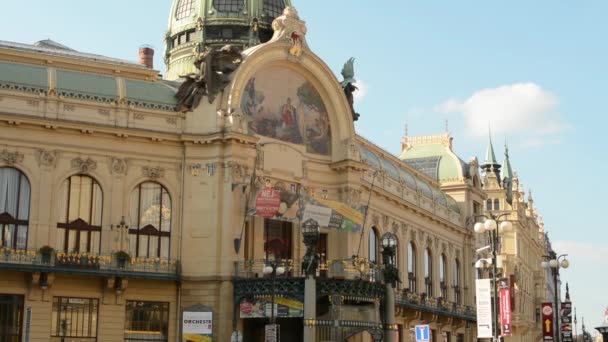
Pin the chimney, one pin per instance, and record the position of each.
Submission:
(146, 56)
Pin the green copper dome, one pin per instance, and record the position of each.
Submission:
(197, 24)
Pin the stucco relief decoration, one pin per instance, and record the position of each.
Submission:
(395, 227)
(153, 172)
(375, 219)
(351, 196)
(118, 166)
(413, 235)
(46, 158)
(385, 220)
(281, 104)
(290, 28)
(11, 158)
(429, 241)
(84, 166)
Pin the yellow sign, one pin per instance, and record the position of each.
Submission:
(196, 338)
(343, 209)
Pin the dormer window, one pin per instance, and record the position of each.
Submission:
(184, 9)
(233, 6)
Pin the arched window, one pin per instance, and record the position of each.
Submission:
(228, 5)
(274, 8)
(184, 9)
(489, 204)
(443, 282)
(411, 266)
(457, 295)
(428, 272)
(150, 230)
(14, 208)
(496, 204)
(80, 210)
(373, 245)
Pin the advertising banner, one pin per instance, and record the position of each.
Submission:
(547, 323)
(197, 326)
(505, 308)
(484, 308)
(267, 202)
(566, 321)
(261, 308)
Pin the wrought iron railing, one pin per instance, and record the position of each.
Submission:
(435, 305)
(35, 260)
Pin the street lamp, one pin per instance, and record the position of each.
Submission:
(555, 263)
(273, 269)
(391, 277)
(493, 225)
(310, 234)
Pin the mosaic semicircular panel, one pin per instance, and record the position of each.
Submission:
(281, 104)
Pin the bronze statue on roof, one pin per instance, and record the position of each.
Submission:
(348, 72)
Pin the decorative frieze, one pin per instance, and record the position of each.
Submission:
(84, 166)
(11, 158)
(153, 172)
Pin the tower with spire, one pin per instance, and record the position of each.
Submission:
(507, 176)
(490, 164)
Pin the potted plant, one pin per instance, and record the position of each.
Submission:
(45, 254)
(122, 258)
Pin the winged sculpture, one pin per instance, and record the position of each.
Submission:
(348, 85)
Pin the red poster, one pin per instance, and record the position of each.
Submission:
(267, 203)
(505, 309)
(547, 310)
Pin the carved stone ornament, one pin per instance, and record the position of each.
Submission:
(153, 172)
(413, 234)
(444, 247)
(375, 219)
(11, 158)
(118, 166)
(214, 68)
(429, 241)
(46, 158)
(395, 227)
(84, 166)
(352, 151)
(288, 27)
(350, 196)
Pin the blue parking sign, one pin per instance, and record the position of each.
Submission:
(423, 334)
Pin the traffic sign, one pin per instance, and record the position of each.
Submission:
(423, 333)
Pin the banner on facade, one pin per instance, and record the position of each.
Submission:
(547, 311)
(197, 326)
(505, 308)
(566, 321)
(484, 308)
(262, 308)
(297, 205)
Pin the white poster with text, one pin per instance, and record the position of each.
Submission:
(484, 308)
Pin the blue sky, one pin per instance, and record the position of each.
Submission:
(536, 71)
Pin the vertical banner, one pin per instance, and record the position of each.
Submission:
(566, 321)
(197, 326)
(547, 311)
(505, 308)
(512, 291)
(484, 308)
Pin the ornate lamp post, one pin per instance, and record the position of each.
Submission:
(273, 269)
(493, 225)
(310, 233)
(391, 277)
(555, 263)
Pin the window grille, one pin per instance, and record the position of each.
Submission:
(184, 9)
(146, 321)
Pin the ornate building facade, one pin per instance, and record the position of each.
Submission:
(126, 199)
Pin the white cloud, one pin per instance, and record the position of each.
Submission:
(361, 92)
(514, 108)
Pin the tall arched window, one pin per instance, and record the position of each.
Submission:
(80, 210)
(14, 208)
(373, 245)
(411, 266)
(489, 204)
(428, 272)
(496, 204)
(443, 284)
(456, 277)
(150, 230)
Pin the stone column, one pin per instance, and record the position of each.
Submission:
(390, 327)
(310, 309)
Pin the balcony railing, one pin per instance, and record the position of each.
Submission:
(88, 263)
(434, 305)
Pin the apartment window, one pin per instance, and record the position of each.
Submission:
(476, 208)
(442, 277)
(457, 295)
(373, 245)
(184, 9)
(146, 321)
(81, 207)
(274, 8)
(489, 204)
(228, 5)
(14, 208)
(411, 266)
(11, 318)
(150, 231)
(496, 204)
(277, 239)
(428, 272)
(74, 319)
